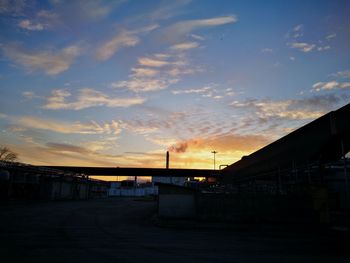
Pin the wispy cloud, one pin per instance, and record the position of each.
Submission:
(197, 37)
(52, 63)
(323, 48)
(68, 127)
(185, 46)
(138, 127)
(144, 85)
(209, 91)
(304, 47)
(125, 38)
(157, 72)
(42, 20)
(221, 143)
(87, 98)
(341, 74)
(63, 147)
(308, 47)
(161, 122)
(295, 42)
(168, 9)
(144, 72)
(184, 28)
(296, 32)
(27, 24)
(330, 85)
(29, 95)
(267, 50)
(189, 91)
(152, 62)
(65, 153)
(331, 36)
(292, 109)
(280, 109)
(164, 127)
(85, 9)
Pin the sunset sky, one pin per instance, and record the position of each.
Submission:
(118, 83)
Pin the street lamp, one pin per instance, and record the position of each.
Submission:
(214, 152)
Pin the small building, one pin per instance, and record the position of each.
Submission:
(176, 201)
(169, 180)
(130, 188)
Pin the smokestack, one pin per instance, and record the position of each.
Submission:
(167, 160)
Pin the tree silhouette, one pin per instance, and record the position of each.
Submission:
(7, 155)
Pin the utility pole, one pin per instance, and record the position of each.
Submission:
(214, 152)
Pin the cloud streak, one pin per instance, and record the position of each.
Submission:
(190, 91)
(301, 46)
(43, 20)
(290, 109)
(331, 85)
(185, 46)
(184, 28)
(125, 38)
(52, 63)
(222, 143)
(27, 24)
(296, 43)
(168, 9)
(342, 74)
(68, 127)
(144, 85)
(87, 98)
(156, 72)
(152, 62)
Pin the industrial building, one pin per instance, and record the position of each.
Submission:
(132, 188)
(19, 181)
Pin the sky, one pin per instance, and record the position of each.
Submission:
(119, 83)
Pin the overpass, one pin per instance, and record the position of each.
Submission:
(139, 172)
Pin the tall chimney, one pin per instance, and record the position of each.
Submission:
(167, 160)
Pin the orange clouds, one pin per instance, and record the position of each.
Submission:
(196, 153)
(223, 143)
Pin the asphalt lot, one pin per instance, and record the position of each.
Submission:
(123, 230)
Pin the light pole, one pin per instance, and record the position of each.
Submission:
(214, 152)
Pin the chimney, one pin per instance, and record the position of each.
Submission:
(167, 160)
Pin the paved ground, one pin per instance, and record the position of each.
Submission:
(121, 230)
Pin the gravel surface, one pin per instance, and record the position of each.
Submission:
(123, 230)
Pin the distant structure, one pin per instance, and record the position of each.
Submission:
(21, 181)
(131, 188)
(170, 179)
(214, 152)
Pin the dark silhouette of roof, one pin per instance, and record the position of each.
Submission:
(323, 140)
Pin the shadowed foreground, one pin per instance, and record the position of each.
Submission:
(121, 230)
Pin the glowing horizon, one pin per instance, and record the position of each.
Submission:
(118, 83)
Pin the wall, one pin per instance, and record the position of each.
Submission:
(255, 208)
(144, 191)
(180, 202)
(176, 201)
(176, 205)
